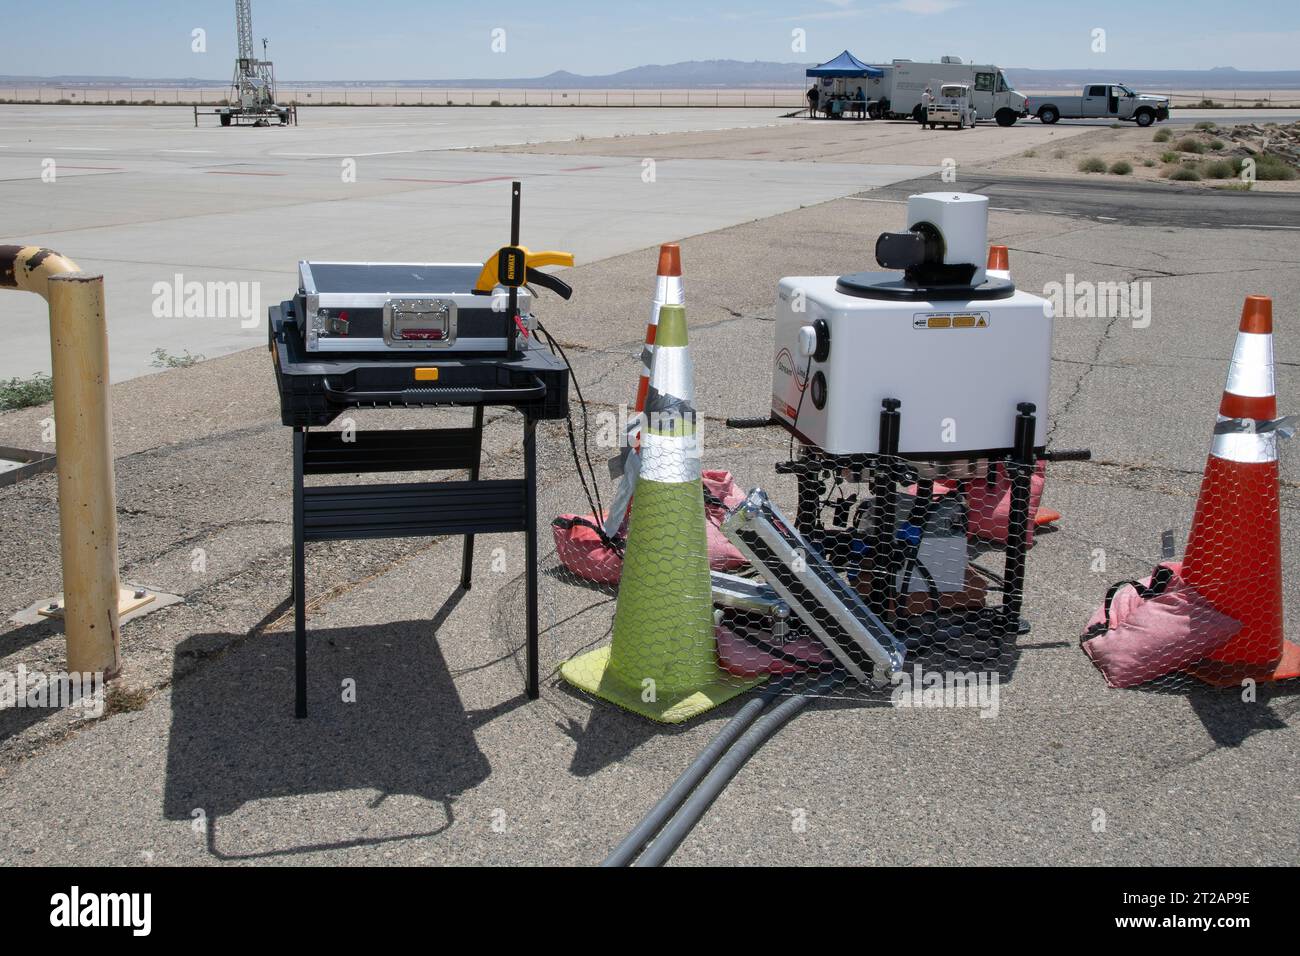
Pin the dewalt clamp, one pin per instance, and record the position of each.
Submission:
(513, 266)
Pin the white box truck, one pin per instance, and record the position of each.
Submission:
(902, 89)
(1102, 100)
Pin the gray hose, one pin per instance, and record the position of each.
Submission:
(643, 832)
(682, 822)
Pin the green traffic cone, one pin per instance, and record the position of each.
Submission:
(661, 661)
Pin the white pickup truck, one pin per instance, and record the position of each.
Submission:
(1101, 101)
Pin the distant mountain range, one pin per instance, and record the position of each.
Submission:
(731, 74)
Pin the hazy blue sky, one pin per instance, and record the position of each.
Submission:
(431, 39)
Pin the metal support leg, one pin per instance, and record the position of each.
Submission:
(1021, 472)
(530, 550)
(467, 557)
(299, 579)
(809, 494)
(884, 492)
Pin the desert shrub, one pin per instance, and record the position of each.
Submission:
(1216, 144)
(1272, 166)
(1121, 168)
(1092, 165)
(1218, 169)
(1189, 144)
(25, 392)
(1185, 174)
(1148, 163)
(1169, 156)
(1205, 124)
(1162, 136)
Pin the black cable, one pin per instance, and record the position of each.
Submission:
(807, 384)
(577, 388)
(596, 505)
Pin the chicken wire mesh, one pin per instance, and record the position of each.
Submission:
(1215, 617)
(947, 587)
(876, 566)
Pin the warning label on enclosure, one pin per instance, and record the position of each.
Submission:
(950, 320)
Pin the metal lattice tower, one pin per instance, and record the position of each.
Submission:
(244, 27)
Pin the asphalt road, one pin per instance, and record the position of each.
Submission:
(1128, 203)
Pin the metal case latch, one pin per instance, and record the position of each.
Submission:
(419, 323)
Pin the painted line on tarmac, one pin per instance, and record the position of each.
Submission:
(446, 182)
(229, 172)
(903, 202)
(385, 152)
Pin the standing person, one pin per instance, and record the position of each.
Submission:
(860, 102)
(813, 96)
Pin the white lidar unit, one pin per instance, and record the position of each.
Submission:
(959, 348)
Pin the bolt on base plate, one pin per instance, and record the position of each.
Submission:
(128, 600)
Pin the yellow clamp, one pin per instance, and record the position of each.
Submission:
(509, 266)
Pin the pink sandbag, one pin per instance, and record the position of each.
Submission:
(721, 494)
(1143, 638)
(743, 658)
(581, 550)
(990, 505)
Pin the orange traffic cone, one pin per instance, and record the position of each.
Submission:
(999, 267)
(668, 291)
(1234, 550)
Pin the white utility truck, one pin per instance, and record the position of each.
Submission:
(952, 107)
(1102, 100)
(901, 91)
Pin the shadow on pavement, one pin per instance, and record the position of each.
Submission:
(234, 739)
(1230, 721)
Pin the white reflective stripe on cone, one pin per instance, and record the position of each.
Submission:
(1250, 448)
(998, 273)
(674, 373)
(668, 291)
(1251, 371)
(669, 459)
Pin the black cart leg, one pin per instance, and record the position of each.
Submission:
(299, 579)
(1022, 470)
(530, 548)
(467, 557)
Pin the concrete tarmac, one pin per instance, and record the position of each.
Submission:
(154, 204)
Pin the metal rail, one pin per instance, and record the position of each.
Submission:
(83, 447)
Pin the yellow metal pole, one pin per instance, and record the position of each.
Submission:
(84, 449)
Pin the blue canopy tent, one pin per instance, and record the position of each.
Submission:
(834, 74)
(844, 65)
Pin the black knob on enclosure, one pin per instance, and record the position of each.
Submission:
(823, 333)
